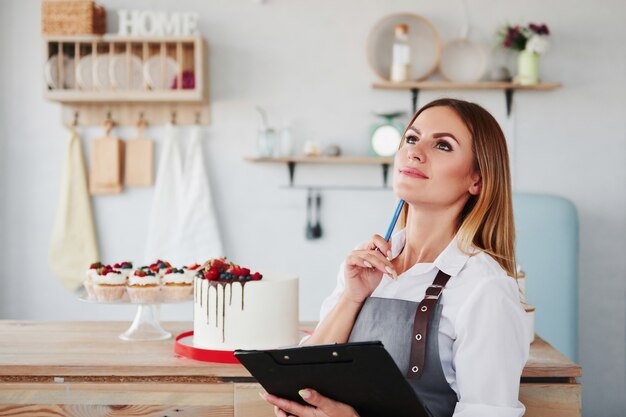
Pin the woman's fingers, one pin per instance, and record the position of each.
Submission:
(279, 413)
(378, 243)
(328, 406)
(371, 259)
(382, 245)
(287, 406)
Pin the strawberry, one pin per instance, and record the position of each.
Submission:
(212, 274)
(168, 271)
(218, 263)
(154, 268)
(140, 273)
(234, 269)
(256, 276)
(193, 267)
(95, 265)
(117, 266)
(245, 272)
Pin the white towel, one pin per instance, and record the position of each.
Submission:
(199, 237)
(166, 204)
(74, 245)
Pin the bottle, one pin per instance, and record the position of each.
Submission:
(401, 54)
(286, 141)
(266, 143)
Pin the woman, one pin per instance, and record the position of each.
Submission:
(457, 247)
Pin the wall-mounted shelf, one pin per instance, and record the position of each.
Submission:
(508, 87)
(157, 78)
(291, 162)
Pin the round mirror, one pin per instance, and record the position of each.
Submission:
(386, 140)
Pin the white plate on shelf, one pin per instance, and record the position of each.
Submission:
(424, 43)
(463, 61)
(51, 72)
(101, 78)
(84, 73)
(160, 72)
(126, 72)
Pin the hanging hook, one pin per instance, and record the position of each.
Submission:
(75, 121)
(108, 123)
(197, 117)
(141, 122)
(173, 120)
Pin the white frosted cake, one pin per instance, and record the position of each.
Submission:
(235, 312)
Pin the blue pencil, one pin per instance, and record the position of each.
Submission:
(392, 225)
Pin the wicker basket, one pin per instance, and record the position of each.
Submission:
(72, 17)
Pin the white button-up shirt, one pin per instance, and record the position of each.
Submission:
(483, 344)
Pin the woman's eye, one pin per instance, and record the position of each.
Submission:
(411, 140)
(444, 146)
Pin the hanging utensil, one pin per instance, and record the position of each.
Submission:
(309, 214)
(105, 175)
(139, 158)
(317, 229)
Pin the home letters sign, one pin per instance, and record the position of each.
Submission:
(150, 23)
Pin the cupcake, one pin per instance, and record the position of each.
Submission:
(126, 268)
(144, 287)
(192, 270)
(88, 283)
(109, 284)
(159, 267)
(177, 284)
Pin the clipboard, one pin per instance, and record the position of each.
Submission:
(362, 375)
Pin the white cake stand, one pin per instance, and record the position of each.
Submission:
(146, 325)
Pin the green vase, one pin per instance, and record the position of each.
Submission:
(528, 68)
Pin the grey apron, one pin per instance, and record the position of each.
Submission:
(391, 322)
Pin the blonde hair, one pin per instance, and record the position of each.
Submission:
(486, 220)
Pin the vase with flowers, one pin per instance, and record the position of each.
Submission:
(532, 42)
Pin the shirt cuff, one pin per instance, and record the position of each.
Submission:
(483, 410)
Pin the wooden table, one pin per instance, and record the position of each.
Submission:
(83, 369)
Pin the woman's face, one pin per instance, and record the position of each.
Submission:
(434, 165)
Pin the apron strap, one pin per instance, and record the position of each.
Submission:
(420, 325)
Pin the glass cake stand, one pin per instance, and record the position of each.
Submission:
(146, 325)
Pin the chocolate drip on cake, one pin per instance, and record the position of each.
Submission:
(216, 303)
(224, 309)
(224, 282)
(243, 286)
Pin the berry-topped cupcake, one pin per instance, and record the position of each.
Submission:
(177, 284)
(159, 267)
(126, 268)
(109, 284)
(144, 286)
(88, 283)
(192, 270)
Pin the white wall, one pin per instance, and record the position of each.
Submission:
(305, 62)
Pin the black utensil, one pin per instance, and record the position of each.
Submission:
(317, 229)
(309, 221)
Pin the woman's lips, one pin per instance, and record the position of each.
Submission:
(413, 172)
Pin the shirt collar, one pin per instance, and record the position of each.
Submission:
(450, 261)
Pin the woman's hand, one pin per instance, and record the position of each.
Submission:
(365, 268)
(320, 406)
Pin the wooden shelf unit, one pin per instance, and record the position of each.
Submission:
(508, 87)
(186, 105)
(291, 162)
